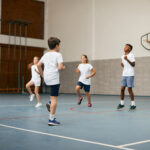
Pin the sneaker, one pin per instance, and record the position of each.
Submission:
(132, 107)
(80, 100)
(48, 106)
(120, 106)
(53, 122)
(38, 105)
(89, 105)
(32, 97)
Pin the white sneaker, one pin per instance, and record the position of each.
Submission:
(32, 97)
(38, 105)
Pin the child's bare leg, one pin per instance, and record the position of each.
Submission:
(36, 90)
(122, 93)
(28, 85)
(53, 107)
(78, 91)
(131, 94)
(88, 97)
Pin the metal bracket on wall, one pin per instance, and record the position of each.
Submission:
(145, 41)
(18, 24)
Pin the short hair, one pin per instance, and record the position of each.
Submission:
(53, 42)
(131, 47)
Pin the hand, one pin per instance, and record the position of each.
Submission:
(30, 65)
(125, 57)
(87, 77)
(122, 64)
(77, 65)
(64, 67)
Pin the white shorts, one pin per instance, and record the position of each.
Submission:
(37, 82)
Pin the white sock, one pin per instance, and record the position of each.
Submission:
(132, 103)
(51, 117)
(121, 102)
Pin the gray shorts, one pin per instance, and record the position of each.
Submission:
(127, 81)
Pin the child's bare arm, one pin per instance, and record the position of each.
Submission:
(122, 65)
(61, 66)
(92, 74)
(131, 63)
(30, 65)
(77, 70)
(37, 71)
(39, 65)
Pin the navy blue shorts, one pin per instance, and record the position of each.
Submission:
(84, 86)
(54, 90)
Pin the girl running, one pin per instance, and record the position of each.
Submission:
(35, 80)
(86, 71)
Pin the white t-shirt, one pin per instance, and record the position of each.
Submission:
(35, 75)
(51, 72)
(128, 70)
(85, 70)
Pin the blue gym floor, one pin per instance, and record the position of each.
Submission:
(102, 127)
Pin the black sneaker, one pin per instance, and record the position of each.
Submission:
(120, 106)
(132, 107)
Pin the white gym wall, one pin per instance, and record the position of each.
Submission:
(71, 21)
(119, 22)
(99, 28)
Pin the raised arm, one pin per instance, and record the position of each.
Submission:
(30, 65)
(131, 63)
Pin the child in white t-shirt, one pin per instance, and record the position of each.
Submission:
(53, 62)
(86, 71)
(35, 80)
(128, 64)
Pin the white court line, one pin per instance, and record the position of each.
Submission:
(65, 137)
(135, 143)
(16, 105)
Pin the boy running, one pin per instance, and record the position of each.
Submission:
(53, 62)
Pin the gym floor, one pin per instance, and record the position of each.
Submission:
(101, 127)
